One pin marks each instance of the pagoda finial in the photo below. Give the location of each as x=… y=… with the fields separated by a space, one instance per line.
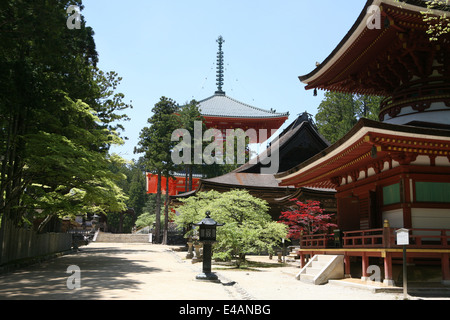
x=220 y=66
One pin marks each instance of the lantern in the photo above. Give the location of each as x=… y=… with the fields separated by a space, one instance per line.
x=207 y=235
x=207 y=229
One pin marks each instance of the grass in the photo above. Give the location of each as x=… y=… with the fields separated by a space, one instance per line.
x=247 y=265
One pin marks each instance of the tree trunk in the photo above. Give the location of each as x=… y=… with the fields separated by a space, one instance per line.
x=158 y=210
x=186 y=180
x=166 y=213
x=121 y=222
x=190 y=178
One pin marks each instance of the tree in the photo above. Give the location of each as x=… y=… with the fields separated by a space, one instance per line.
x=189 y=114
x=145 y=220
x=308 y=218
x=248 y=227
x=56 y=125
x=339 y=112
x=438 y=22
x=155 y=142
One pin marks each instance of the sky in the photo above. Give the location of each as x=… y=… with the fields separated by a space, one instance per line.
x=168 y=48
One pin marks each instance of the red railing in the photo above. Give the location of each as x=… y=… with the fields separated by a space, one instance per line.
x=380 y=238
x=372 y=238
x=417 y=94
x=429 y=238
x=321 y=241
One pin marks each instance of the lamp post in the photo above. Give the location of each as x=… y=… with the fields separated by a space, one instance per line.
x=207 y=235
x=403 y=240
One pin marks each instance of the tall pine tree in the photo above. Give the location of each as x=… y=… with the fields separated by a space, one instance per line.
x=156 y=144
x=339 y=112
x=58 y=115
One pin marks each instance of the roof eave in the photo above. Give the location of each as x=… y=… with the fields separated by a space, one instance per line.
x=357 y=132
x=358 y=27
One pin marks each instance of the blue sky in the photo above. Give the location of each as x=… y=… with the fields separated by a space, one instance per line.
x=168 y=48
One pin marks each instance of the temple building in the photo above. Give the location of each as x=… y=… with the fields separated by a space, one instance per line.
x=223 y=112
x=297 y=143
x=394 y=173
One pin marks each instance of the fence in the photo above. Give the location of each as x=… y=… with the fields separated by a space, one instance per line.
x=17 y=244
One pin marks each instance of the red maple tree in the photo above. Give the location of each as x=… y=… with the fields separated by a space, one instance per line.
x=306 y=219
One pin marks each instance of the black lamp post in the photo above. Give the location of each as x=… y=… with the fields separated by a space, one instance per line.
x=207 y=235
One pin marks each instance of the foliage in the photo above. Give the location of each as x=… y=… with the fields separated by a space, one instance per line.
x=156 y=144
x=248 y=227
x=339 y=112
x=188 y=115
x=134 y=186
x=306 y=219
x=438 y=23
x=58 y=116
x=145 y=220
x=116 y=225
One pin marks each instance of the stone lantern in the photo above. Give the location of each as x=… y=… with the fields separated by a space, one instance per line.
x=207 y=235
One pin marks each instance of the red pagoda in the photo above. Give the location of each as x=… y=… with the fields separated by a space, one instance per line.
x=394 y=173
x=222 y=112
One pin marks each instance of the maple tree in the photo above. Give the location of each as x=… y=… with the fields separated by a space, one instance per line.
x=306 y=219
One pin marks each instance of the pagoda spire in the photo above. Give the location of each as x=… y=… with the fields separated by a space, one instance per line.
x=220 y=67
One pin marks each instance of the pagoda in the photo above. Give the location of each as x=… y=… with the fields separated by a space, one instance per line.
x=297 y=142
x=223 y=112
x=394 y=173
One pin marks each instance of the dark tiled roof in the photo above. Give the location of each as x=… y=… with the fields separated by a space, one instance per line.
x=220 y=105
x=298 y=142
x=246 y=179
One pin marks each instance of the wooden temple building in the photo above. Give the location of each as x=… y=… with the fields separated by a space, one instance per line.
x=297 y=143
x=223 y=112
x=394 y=173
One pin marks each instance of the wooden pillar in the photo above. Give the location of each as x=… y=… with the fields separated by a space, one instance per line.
x=445 y=269
x=386 y=234
x=407 y=218
x=365 y=266
x=347 y=272
x=302 y=259
x=388 y=269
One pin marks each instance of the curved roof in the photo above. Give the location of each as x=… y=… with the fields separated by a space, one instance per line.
x=354 y=150
x=375 y=60
x=298 y=142
x=220 y=105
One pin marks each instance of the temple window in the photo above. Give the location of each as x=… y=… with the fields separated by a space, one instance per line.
x=391 y=194
x=433 y=192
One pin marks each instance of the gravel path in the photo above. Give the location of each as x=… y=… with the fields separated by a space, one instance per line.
x=153 y=272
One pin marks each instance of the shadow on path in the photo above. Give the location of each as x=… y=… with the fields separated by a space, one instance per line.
x=101 y=269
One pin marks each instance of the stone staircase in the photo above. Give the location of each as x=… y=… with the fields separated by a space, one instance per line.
x=322 y=268
x=122 y=238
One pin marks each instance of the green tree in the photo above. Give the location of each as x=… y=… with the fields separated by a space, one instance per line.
x=189 y=114
x=339 y=112
x=248 y=227
x=145 y=220
x=56 y=119
x=438 y=21
x=155 y=142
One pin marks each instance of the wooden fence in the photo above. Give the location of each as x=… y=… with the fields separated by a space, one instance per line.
x=17 y=244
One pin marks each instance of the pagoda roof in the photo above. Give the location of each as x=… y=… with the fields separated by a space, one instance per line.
x=375 y=61
x=239 y=179
x=355 y=151
x=221 y=106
